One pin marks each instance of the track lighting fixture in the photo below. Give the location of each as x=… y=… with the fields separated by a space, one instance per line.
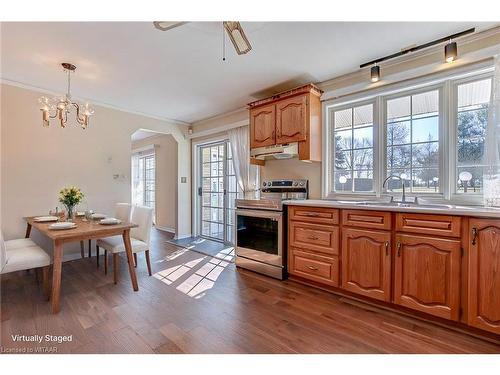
x=375 y=73
x=450 y=52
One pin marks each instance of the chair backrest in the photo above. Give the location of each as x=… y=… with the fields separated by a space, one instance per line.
x=3 y=253
x=143 y=217
x=123 y=211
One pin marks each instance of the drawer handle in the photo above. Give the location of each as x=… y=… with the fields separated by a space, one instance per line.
x=399 y=248
x=474 y=235
x=312 y=214
x=312 y=268
x=386 y=248
x=313 y=238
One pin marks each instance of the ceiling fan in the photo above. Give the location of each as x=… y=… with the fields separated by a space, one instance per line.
x=233 y=29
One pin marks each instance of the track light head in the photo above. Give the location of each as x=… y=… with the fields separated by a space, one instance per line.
x=450 y=52
x=375 y=73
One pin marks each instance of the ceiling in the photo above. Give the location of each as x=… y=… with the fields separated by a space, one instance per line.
x=180 y=75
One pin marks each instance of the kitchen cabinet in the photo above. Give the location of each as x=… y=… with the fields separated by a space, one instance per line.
x=439 y=225
x=262 y=126
x=484 y=275
x=427 y=275
x=314 y=267
x=367 y=219
x=288 y=117
x=291 y=124
x=366 y=263
x=314 y=237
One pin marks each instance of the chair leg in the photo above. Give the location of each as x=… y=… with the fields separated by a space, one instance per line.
x=105 y=262
x=45 y=277
x=148 y=262
x=135 y=260
x=97 y=254
x=90 y=248
x=82 y=249
x=115 y=267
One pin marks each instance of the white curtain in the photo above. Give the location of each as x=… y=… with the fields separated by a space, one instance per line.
x=491 y=177
x=246 y=174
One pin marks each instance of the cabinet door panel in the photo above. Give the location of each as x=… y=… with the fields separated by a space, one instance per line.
x=291 y=125
x=314 y=237
x=314 y=267
x=427 y=275
x=484 y=275
x=366 y=263
x=263 y=126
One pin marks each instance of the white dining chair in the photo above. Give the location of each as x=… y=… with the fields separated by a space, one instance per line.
x=122 y=212
x=139 y=239
x=24 y=254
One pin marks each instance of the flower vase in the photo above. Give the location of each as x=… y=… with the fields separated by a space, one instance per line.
x=70 y=213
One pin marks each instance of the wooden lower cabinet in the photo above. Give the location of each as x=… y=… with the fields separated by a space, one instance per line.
x=484 y=275
x=366 y=263
x=322 y=269
x=427 y=275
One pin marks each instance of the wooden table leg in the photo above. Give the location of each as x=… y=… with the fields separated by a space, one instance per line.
x=128 y=249
x=28 y=231
x=56 y=277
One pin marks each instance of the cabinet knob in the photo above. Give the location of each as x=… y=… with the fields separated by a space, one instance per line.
x=312 y=268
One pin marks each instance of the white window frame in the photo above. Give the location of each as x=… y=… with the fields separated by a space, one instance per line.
x=447 y=84
x=331 y=146
x=454 y=196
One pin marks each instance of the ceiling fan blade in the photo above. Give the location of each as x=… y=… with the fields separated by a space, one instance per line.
x=237 y=36
x=168 y=25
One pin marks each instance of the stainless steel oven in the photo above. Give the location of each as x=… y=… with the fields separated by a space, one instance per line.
x=260 y=227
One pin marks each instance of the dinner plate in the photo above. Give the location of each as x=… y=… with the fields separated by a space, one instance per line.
x=97 y=216
x=42 y=219
x=110 y=221
x=62 y=225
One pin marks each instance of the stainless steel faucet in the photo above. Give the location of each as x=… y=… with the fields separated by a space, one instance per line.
x=403 y=198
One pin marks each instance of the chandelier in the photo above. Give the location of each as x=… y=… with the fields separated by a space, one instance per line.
x=60 y=106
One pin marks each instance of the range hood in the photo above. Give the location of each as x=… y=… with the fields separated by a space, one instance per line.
x=286 y=151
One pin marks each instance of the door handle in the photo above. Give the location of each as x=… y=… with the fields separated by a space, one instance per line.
x=399 y=249
x=474 y=236
x=386 y=248
x=312 y=268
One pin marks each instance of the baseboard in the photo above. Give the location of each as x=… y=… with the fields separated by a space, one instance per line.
x=183 y=236
x=166 y=229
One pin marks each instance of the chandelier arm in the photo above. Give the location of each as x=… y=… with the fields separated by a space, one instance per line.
x=79 y=119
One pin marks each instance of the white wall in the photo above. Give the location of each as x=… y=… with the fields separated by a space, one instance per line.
x=166 y=178
x=36 y=161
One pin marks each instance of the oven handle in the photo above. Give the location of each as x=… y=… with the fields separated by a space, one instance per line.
x=260 y=213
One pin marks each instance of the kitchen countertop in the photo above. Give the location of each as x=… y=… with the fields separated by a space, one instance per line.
x=443 y=209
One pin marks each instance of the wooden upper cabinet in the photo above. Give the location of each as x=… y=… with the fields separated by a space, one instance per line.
x=484 y=274
x=262 y=126
x=427 y=275
x=366 y=263
x=291 y=123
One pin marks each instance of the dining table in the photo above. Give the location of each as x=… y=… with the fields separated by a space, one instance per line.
x=85 y=229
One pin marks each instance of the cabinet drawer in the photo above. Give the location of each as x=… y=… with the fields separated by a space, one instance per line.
x=317 y=215
x=314 y=237
x=429 y=224
x=367 y=219
x=313 y=267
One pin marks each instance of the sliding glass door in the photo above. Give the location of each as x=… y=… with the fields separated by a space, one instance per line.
x=217 y=191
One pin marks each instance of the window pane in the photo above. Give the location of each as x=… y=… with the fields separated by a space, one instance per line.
x=398 y=157
x=398 y=109
x=363 y=115
x=363 y=180
x=425 y=180
x=425 y=104
x=425 y=155
x=343 y=181
x=343 y=119
x=363 y=159
x=472 y=118
x=425 y=129
x=343 y=140
x=398 y=133
x=395 y=185
x=343 y=160
x=363 y=137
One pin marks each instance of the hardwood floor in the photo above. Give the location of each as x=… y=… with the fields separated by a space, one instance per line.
x=197 y=304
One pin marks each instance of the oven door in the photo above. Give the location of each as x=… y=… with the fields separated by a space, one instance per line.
x=259 y=236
